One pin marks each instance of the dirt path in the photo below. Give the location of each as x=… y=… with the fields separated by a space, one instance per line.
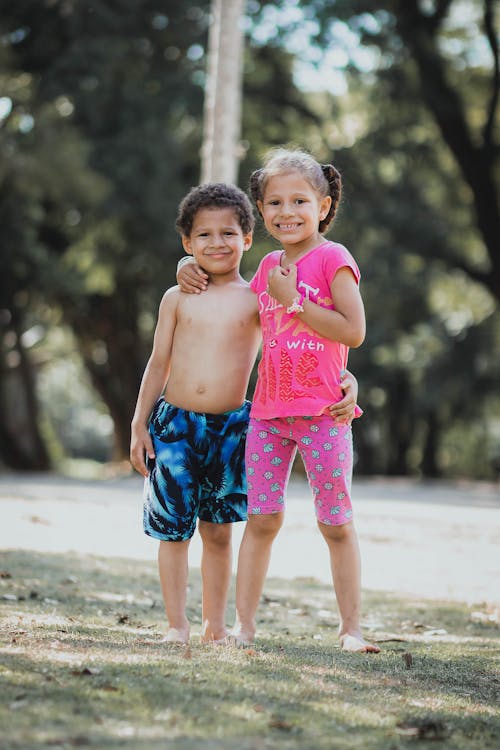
x=431 y=540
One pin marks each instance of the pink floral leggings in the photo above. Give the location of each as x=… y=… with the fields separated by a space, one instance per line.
x=326 y=450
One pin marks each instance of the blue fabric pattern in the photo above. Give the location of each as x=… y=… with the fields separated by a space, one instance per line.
x=198 y=472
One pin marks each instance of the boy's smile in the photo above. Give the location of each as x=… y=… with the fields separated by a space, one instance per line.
x=217 y=241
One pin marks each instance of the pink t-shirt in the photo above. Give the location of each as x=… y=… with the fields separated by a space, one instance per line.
x=299 y=373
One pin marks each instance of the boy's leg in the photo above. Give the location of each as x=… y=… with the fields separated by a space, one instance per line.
x=173 y=568
x=170 y=507
x=216 y=576
x=345 y=564
x=253 y=562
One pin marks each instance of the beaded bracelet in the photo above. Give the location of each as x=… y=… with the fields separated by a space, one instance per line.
x=297 y=305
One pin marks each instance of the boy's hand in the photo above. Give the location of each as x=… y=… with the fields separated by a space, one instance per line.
x=140 y=446
x=191 y=278
x=343 y=411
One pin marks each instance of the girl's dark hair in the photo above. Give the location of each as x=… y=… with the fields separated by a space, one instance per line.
x=325 y=179
x=214 y=195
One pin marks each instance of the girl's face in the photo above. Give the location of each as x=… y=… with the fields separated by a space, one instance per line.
x=292 y=210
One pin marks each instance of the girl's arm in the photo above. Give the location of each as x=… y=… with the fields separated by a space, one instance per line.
x=190 y=276
x=153 y=382
x=345 y=324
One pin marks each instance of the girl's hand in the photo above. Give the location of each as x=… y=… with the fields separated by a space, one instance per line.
x=343 y=411
x=191 y=278
x=282 y=284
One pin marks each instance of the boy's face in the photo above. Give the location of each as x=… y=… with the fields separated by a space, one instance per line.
x=217 y=241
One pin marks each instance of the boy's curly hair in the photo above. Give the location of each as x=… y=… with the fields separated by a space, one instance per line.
x=214 y=195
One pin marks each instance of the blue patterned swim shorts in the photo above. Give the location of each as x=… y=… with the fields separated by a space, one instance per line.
x=198 y=472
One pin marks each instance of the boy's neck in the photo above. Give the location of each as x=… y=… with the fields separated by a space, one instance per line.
x=220 y=279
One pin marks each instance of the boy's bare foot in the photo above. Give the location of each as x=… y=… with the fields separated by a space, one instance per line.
x=176 y=636
x=354 y=642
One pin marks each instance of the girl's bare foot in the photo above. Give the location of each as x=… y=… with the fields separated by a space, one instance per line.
x=354 y=642
x=176 y=636
x=241 y=638
x=217 y=636
x=216 y=641
x=213 y=640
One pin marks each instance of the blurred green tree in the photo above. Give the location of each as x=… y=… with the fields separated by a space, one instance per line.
x=100 y=131
x=410 y=213
x=120 y=85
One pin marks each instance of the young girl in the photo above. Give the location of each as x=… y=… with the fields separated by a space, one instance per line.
x=311 y=312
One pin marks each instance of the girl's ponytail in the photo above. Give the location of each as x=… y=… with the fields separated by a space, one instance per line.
x=334 y=181
x=255 y=185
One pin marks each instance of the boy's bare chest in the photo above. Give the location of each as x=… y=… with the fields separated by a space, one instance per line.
x=215 y=315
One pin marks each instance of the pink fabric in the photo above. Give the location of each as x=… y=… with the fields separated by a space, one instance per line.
x=299 y=373
x=326 y=450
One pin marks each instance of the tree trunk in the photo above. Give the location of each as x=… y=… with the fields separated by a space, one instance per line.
x=222 y=113
x=429 y=463
x=108 y=339
x=476 y=154
x=400 y=425
x=21 y=444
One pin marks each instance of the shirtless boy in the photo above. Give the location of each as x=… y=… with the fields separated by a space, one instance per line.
x=191 y=417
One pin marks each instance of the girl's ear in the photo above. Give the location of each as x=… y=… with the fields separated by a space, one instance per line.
x=186 y=244
x=324 y=207
x=260 y=206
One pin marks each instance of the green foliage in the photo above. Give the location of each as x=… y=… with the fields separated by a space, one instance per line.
x=102 y=139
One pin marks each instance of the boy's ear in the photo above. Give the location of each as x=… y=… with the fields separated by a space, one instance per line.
x=247 y=241
x=186 y=244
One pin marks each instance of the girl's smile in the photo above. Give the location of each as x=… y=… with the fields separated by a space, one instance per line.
x=291 y=210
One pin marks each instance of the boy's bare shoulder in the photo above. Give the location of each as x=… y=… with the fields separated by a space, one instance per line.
x=170 y=299
x=171 y=294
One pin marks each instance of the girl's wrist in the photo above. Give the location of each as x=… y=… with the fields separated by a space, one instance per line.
x=297 y=304
x=185 y=259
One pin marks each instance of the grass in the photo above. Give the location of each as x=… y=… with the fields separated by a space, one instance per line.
x=81 y=666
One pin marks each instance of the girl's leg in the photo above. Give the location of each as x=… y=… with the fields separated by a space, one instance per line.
x=253 y=562
x=216 y=577
x=345 y=564
x=326 y=449
x=173 y=568
x=269 y=456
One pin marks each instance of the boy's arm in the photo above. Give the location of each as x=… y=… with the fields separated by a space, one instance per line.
x=190 y=276
x=344 y=411
x=345 y=324
x=153 y=382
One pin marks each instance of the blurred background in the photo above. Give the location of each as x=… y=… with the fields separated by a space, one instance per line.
x=101 y=134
